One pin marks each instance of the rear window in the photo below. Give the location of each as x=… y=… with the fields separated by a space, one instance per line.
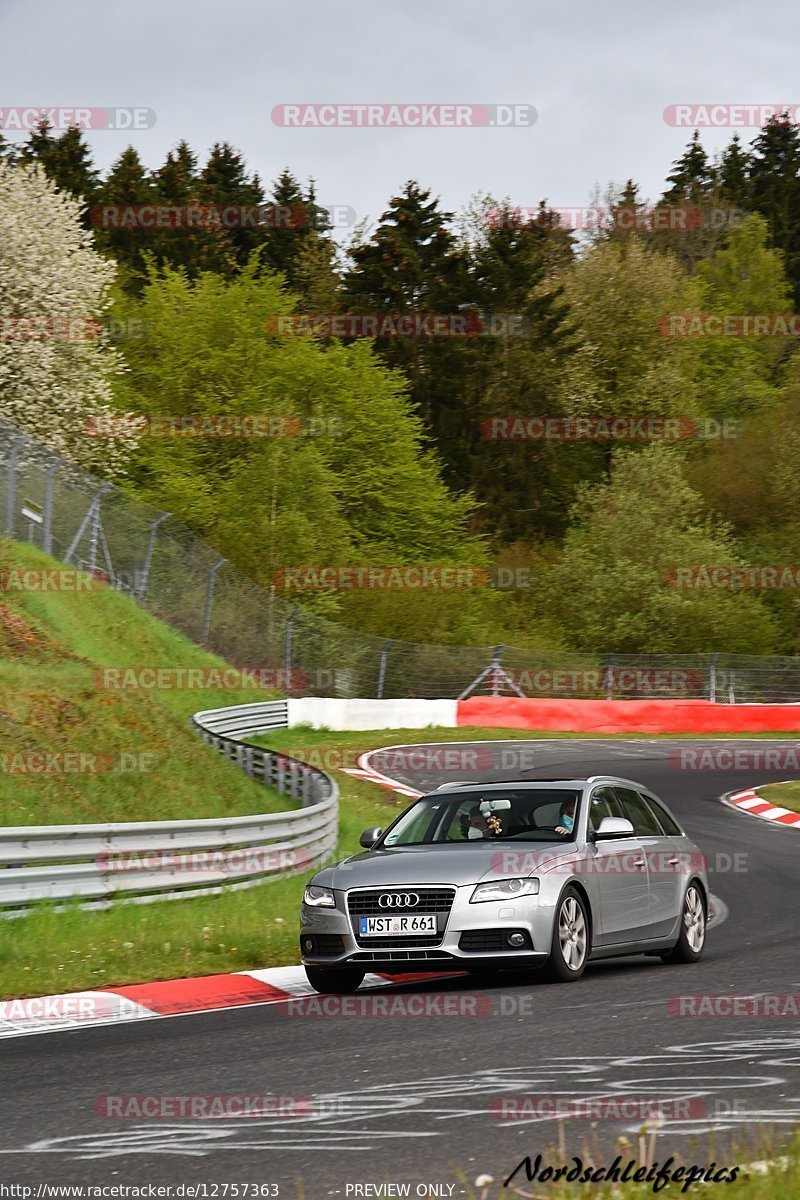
x=637 y=812
x=667 y=823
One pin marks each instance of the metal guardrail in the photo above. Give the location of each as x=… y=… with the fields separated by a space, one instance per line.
x=144 y=861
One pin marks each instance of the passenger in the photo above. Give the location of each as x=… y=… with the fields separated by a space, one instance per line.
x=481 y=823
x=475 y=825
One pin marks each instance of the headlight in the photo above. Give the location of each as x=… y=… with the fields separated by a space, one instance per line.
x=504 y=889
x=319 y=897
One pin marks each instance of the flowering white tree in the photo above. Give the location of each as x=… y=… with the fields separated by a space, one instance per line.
x=56 y=363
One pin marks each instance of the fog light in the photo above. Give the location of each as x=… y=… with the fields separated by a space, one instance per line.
x=309 y=945
x=516 y=940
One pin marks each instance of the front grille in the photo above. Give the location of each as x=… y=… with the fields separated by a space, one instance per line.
x=365 y=903
x=429 y=939
x=431 y=900
x=491 y=941
x=401 y=956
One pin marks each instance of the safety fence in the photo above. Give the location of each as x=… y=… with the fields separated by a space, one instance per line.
x=158 y=561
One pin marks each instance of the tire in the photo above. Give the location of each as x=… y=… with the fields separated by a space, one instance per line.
x=571 y=939
x=694 y=919
x=333 y=982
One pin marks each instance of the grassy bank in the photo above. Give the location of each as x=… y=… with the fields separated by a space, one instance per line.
x=73 y=750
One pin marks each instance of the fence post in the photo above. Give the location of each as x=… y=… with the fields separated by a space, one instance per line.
x=498 y=650
x=95 y=526
x=47 y=529
x=712 y=679
x=141 y=591
x=287 y=646
x=93 y=516
x=608 y=681
x=13 y=456
x=382 y=668
x=212 y=575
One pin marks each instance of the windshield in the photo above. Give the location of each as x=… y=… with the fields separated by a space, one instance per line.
x=531 y=815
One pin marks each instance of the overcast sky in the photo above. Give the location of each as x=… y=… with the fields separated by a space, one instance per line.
x=599 y=75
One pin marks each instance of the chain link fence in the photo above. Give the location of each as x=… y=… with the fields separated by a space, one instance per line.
x=157 y=560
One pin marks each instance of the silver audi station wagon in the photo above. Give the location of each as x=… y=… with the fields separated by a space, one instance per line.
x=542 y=875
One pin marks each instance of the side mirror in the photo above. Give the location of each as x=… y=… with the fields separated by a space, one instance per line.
x=369 y=837
x=614 y=827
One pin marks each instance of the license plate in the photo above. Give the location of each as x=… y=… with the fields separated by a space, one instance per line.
x=396 y=926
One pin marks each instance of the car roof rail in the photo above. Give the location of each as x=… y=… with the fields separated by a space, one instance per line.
x=457 y=783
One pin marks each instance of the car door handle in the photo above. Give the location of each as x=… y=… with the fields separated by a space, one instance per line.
x=640 y=864
x=673 y=862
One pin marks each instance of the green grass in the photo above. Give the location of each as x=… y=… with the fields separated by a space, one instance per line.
x=785 y=795
x=50 y=951
x=51 y=645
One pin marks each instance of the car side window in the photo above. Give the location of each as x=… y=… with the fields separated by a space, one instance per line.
x=667 y=824
x=637 y=812
x=603 y=804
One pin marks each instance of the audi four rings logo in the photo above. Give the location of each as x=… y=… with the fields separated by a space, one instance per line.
x=398 y=900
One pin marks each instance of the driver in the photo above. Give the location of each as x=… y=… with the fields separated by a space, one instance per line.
x=566 y=820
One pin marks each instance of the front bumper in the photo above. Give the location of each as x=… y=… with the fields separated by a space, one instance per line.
x=469 y=935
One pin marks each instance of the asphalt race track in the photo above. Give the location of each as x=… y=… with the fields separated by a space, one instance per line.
x=413 y=1099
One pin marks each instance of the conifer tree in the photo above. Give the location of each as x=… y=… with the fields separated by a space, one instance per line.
x=775 y=188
